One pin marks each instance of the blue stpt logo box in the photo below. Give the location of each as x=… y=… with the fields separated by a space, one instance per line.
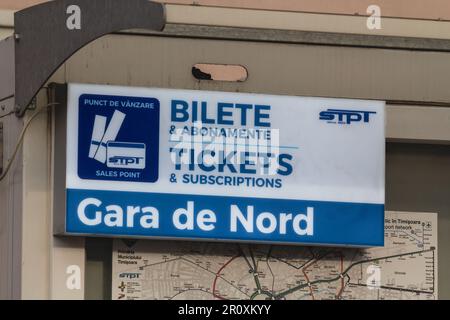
x=118 y=138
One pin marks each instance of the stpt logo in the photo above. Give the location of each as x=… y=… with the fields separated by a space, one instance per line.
x=345 y=116
x=118 y=138
x=130 y=275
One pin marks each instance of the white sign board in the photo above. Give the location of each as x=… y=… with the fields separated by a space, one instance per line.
x=186 y=164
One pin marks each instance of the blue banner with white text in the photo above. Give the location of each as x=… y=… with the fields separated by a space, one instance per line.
x=94 y=212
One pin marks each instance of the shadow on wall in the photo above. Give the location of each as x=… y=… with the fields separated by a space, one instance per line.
x=418 y=180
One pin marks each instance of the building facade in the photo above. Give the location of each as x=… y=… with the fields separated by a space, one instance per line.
x=308 y=48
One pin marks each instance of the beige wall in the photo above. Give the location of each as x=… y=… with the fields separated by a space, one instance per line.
x=285 y=20
x=420 y=9
x=10 y=210
x=18 y=4
x=240 y=14
x=423 y=9
x=4 y=33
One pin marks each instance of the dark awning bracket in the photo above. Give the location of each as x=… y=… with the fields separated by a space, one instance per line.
x=48 y=34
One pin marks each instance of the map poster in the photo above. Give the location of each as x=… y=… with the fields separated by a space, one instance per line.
x=405 y=268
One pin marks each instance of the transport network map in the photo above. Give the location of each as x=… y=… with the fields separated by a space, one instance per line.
x=405 y=268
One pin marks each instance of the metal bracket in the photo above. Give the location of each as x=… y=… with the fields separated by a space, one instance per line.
x=48 y=34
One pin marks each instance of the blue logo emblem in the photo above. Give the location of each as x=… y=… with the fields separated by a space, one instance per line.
x=118 y=138
x=345 y=116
